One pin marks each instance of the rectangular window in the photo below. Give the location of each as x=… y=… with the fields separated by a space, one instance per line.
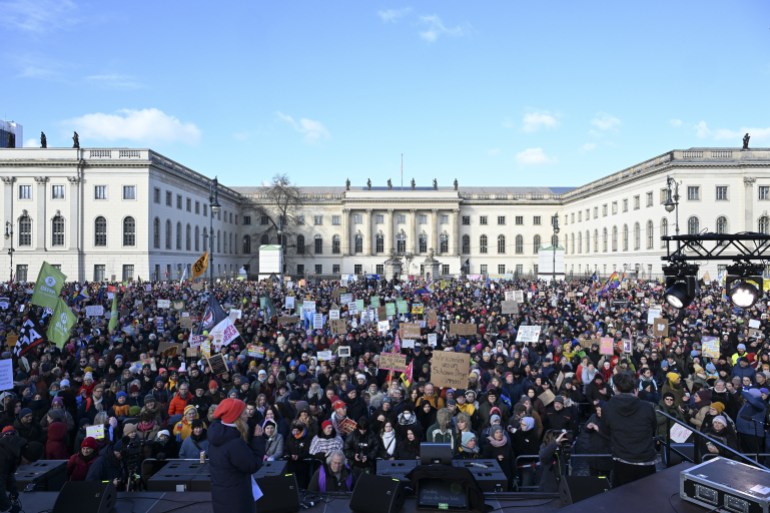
x=358 y=269
x=604 y=210
x=179 y=201
x=519 y=269
x=197 y=207
x=318 y=242
x=444 y=269
x=721 y=193
x=357 y=218
x=264 y=220
x=319 y=269
x=99 y=272
x=379 y=219
x=379 y=269
x=500 y=268
x=21 y=272
x=100 y=192
x=318 y=220
x=300 y=269
x=537 y=220
x=693 y=193
x=57 y=192
x=580 y=215
x=596 y=212
x=25 y=192
x=625 y=205
x=422 y=219
x=129 y=192
x=483 y=268
x=156 y=195
x=482 y=220
x=764 y=192
x=649 y=199
x=637 y=202
x=466 y=220
x=247 y=220
x=572 y=217
x=335 y=268
x=400 y=219
x=336 y=220
x=128 y=272
x=300 y=220
x=189 y=205
x=443 y=219
x=205 y=210
x=501 y=220
x=169 y=198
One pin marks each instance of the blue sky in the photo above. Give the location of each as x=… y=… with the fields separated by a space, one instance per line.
x=493 y=93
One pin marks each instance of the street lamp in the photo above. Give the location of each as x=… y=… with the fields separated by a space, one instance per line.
x=672 y=200
x=554 y=242
x=214 y=208
x=9 y=236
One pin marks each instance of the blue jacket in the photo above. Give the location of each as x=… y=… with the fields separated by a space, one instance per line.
x=232 y=462
x=751 y=416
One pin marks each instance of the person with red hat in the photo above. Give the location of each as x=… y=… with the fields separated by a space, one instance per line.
x=231 y=460
x=79 y=463
x=325 y=442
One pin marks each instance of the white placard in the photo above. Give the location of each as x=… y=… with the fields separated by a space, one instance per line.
x=679 y=433
x=754 y=323
x=528 y=334
x=383 y=327
x=308 y=306
x=324 y=356
x=432 y=339
x=288 y=303
x=346 y=298
x=654 y=313
x=235 y=314
x=407 y=343
x=6 y=374
x=334 y=315
x=95 y=431
x=94 y=311
x=318 y=321
x=164 y=303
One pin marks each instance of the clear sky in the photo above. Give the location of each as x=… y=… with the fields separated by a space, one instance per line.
x=529 y=93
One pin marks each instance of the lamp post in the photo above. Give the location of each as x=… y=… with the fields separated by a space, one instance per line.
x=9 y=236
x=214 y=208
x=554 y=242
x=672 y=201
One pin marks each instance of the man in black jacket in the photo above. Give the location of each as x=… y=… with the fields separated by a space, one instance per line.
x=14 y=451
x=361 y=448
x=630 y=423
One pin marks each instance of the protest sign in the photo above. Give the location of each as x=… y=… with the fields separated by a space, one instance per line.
x=509 y=307
x=343 y=351
x=462 y=329
x=393 y=361
x=660 y=327
x=383 y=326
x=710 y=347
x=431 y=318
x=96 y=431
x=164 y=303
x=605 y=346
x=287 y=320
x=217 y=364
x=324 y=356
x=410 y=330
x=94 y=311
x=390 y=309
x=450 y=369
x=528 y=333
x=401 y=306
x=338 y=327
x=318 y=321
x=432 y=339
x=288 y=303
x=6 y=374
x=168 y=348
x=653 y=313
x=334 y=314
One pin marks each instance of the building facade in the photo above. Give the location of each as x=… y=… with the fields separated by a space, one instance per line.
x=104 y=213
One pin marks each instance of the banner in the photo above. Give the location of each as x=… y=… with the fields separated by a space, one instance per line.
x=227 y=330
x=200 y=265
x=61 y=323
x=113 y=315
x=49 y=283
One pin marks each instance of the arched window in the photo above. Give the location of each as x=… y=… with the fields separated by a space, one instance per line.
x=358 y=243
x=625 y=237
x=336 y=244
x=168 y=234
x=663 y=231
x=596 y=240
x=518 y=244
x=217 y=239
x=422 y=243
x=379 y=243
x=129 y=231
x=206 y=240
x=401 y=242
x=100 y=231
x=604 y=240
x=501 y=244
x=57 y=230
x=650 y=234
x=443 y=243
x=466 y=245
x=763 y=226
x=300 y=244
x=536 y=243
x=25 y=230
x=178 y=236
x=188 y=238
x=693 y=226
x=637 y=237
x=571 y=243
x=318 y=242
x=265 y=239
x=580 y=244
x=246 y=245
x=721 y=224
x=197 y=238
x=483 y=244
x=588 y=241
x=614 y=238
x=555 y=240
x=156 y=233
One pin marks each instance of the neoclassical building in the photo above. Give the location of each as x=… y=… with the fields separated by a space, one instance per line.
x=100 y=213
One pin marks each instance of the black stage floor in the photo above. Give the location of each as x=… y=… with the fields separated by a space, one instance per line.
x=658 y=493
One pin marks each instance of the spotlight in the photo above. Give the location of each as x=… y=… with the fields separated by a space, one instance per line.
x=681 y=284
x=744 y=284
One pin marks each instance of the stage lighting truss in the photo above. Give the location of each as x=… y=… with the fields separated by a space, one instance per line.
x=744 y=283
x=681 y=284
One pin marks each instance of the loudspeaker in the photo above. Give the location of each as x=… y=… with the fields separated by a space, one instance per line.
x=281 y=494
x=377 y=494
x=85 y=497
x=576 y=488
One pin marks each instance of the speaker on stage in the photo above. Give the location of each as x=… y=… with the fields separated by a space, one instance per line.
x=576 y=488
x=281 y=494
x=85 y=497
x=377 y=494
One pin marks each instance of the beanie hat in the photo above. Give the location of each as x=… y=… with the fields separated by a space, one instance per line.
x=753 y=392
x=494 y=418
x=467 y=437
x=58 y=400
x=672 y=377
x=24 y=412
x=121 y=394
x=8 y=429
x=529 y=422
x=149 y=398
x=197 y=423
x=89 y=442
x=559 y=399
x=718 y=406
x=213 y=383
x=189 y=408
x=741 y=346
x=338 y=404
x=325 y=423
x=720 y=418
x=229 y=410
x=65 y=383
x=129 y=428
x=302 y=369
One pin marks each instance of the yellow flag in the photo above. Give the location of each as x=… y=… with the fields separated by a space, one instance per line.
x=200 y=265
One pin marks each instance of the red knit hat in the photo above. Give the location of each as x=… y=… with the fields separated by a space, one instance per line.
x=338 y=404
x=90 y=442
x=325 y=423
x=229 y=410
x=213 y=383
x=8 y=429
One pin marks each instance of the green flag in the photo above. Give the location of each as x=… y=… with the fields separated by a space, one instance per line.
x=114 y=313
x=61 y=323
x=50 y=280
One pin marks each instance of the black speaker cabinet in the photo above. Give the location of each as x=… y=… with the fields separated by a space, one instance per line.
x=85 y=497
x=576 y=488
x=377 y=494
x=281 y=494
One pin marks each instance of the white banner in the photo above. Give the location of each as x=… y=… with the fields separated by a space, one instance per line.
x=94 y=311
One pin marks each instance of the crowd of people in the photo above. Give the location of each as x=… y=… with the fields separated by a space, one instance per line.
x=108 y=400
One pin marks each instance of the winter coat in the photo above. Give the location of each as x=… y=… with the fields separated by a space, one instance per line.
x=630 y=423
x=191 y=448
x=232 y=462
x=56 y=445
x=591 y=441
x=10 y=457
x=107 y=468
x=751 y=416
x=77 y=466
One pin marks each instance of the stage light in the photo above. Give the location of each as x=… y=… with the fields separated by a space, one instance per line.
x=744 y=284
x=681 y=284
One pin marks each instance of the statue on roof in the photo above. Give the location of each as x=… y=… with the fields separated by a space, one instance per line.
x=435 y=184
x=456 y=184
x=746 y=141
x=414 y=184
x=75 y=140
x=390 y=184
x=43 y=140
x=369 y=183
x=347 y=184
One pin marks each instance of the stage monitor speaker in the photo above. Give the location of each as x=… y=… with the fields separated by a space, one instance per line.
x=281 y=494
x=85 y=497
x=576 y=488
x=377 y=494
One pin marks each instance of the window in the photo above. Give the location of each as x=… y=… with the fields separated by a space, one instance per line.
x=188 y=238
x=247 y=220
x=721 y=193
x=189 y=205
x=650 y=235
x=336 y=245
x=401 y=243
x=246 y=245
x=501 y=244
x=763 y=225
x=501 y=220
x=637 y=237
x=336 y=220
x=205 y=210
x=100 y=231
x=693 y=226
x=596 y=212
x=764 y=192
x=482 y=220
x=336 y=269
x=197 y=238
x=179 y=201
x=318 y=220
x=128 y=272
x=604 y=240
x=519 y=245
x=422 y=243
x=129 y=193
x=466 y=220
x=400 y=219
x=358 y=269
x=264 y=220
x=580 y=244
x=357 y=219
x=614 y=207
x=156 y=195
x=604 y=210
x=721 y=224
x=422 y=219
x=169 y=234
x=444 y=269
x=100 y=192
x=25 y=192
x=179 y=238
x=319 y=269
x=25 y=230
x=300 y=269
x=588 y=241
x=57 y=231
x=625 y=205
x=318 y=242
x=663 y=231
x=637 y=202
x=580 y=216
x=625 y=237
x=358 y=243
x=649 y=199
x=443 y=243
x=300 y=244
x=300 y=220
x=693 y=192
x=596 y=240
x=379 y=219
x=99 y=271
x=156 y=233
x=519 y=220
x=536 y=220
x=21 y=272
x=500 y=268
x=443 y=219
x=466 y=244
x=57 y=192
x=483 y=268
x=536 y=243
x=483 y=244
x=169 y=198
x=129 y=231
x=379 y=243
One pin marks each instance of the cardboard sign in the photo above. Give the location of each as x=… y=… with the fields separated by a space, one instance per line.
x=186 y=323
x=94 y=311
x=191 y=352
x=178 y=305
x=347 y=425
x=509 y=307
x=431 y=318
x=547 y=397
x=338 y=327
x=518 y=296
x=462 y=329
x=660 y=327
x=164 y=303
x=605 y=346
x=197 y=286
x=450 y=369
x=382 y=313
x=679 y=434
x=168 y=349
x=393 y=361
x=287 y=320
x=11 y=340
x=410 y=330
x=710 y=347
x=529 y=334
x=217 y=364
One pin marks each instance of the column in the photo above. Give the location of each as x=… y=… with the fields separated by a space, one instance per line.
x=748 y=221
x=434 y=229
x=345 y=232
x=389 y=232
x=411 y=246
x=367 y=231
x=42 y=222
x=8 y=203
x=74 y=222
x=455 y=233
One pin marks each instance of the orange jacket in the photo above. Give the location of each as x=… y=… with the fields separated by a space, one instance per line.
x=177 y=404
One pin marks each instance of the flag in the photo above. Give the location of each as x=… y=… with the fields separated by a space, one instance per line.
x=200 y=265
x=212 y=315
x=184 y=274
x=407 y=375
x=30 y=334
x=266 y=303
x=396 y=343
x=48 y=286
x=113 y=314
x=80 y=295
x=61 y=323
x=612 y=283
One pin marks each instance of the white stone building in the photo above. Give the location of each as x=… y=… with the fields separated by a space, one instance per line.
x=130 y=213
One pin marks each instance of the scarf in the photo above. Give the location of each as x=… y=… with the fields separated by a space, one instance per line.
x=495 y=442
x=302 y=433
x=389 y=442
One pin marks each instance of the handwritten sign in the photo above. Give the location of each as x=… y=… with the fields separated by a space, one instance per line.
x=338 y=327
x=96 y=432
x=410 y=330
x=710 y=347
x=6 y=374
x=217 y=364
x=390 y=309
x=324 y=356
x=450 y=369
x=343 y=351
x=164 y=303
x=528 y=333
x=94 y=311
x=509 y=307
x=432 y=339
x=168 y=348
x=660 y=327
x=393 y=361
x=605 y=345
x=462 y=329
x=287 y=320
x=653 y=313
